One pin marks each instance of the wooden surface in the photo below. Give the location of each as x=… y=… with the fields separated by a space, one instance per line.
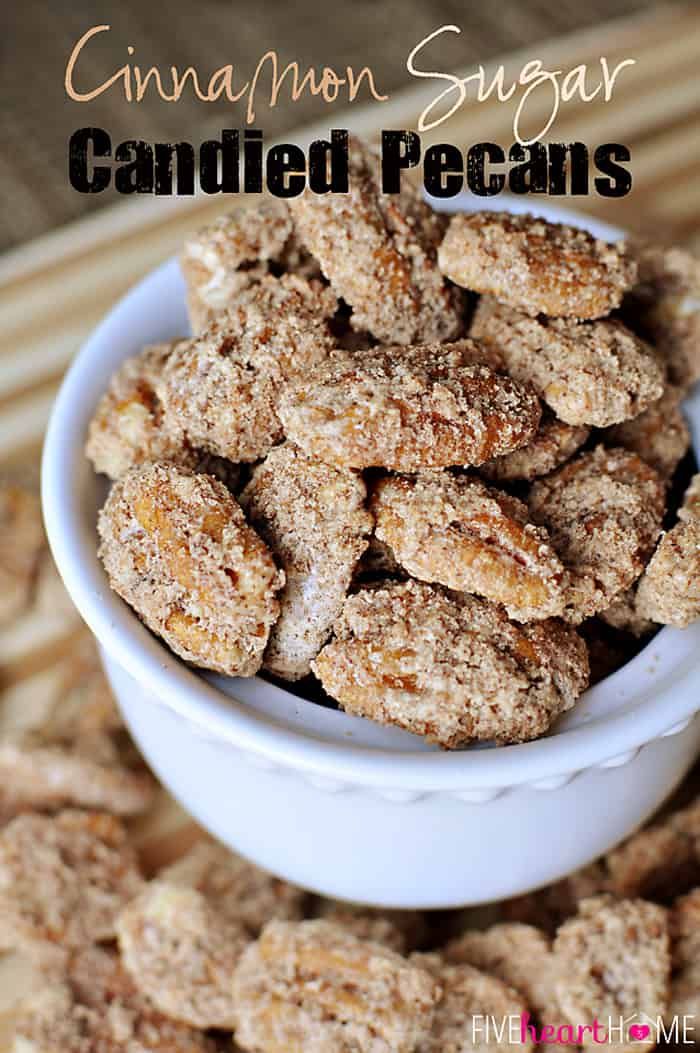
x=55 y=290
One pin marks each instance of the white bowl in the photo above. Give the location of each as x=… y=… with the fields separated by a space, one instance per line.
x=327 y=800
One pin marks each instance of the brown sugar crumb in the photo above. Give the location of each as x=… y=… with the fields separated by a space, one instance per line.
x=685 y=934
x=603 y=511
x=314 y=520
x=596 y=373
x=450 y=667
x=553 y=444
x=238 y=890
x=402 y=408
x=64 y=879
x=314 y=986
x=230 y=254
x=669 y=590
x=180 y=953
x=92 y=1005
x=471 y=1003
x=458 y=532
x=613 y=961
x=379 y=252
x=536 y=266
x=220 y=390
x=665 y=306
x=518 y=955
x=177 y=548
x=22 y=544
x=128 y=426
x=660 y=435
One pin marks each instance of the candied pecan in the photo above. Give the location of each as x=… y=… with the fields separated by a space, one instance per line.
x=177 y=548
x=588 y=372
x=551 y=446
x=379 y=252
x=450 y=667
x=428 y=406
x=313 y=517
x=534 y=265
x=455 y=530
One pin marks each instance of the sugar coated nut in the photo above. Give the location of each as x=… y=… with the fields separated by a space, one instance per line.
x=314 y=986
x=238 y=890
x=408 y=408
x=379 y=252
x=455 y=530
x=90 y=1004
x=613 y=959
x=64 y=879
x=603 y=511
x=469 y=997
x=221 y=389
x=596 y=373
x=450 y=667
x=551 y=446
x=664 y=305
x=177 y=548
x=230 y=254
x=669 y=589
x=660 y=435
x=313 y=517
x=180 y=953
x=128 y=426
x=536 y=266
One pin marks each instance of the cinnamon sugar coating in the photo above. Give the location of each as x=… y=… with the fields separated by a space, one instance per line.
x=603 y=511
x=664 y=305
x=450 y=667
x=623 y=614
x=596 y=373
x=181 y=953
x=669 y=589
x=177 y=548
x=536 y=266
x=520 y=956
x=613 y=961
x=455 y=530
x=400 y=930
x=22 y=544
x=238 y=890
x=221 y=389
x=64 y=879
x=551 y=446
x=236 y=251
x=379 y=252
x=314 y=520
x=467 y=994
x=314 y=986
x=128 y=426
x=91 y=1006
x=660 y=435
x=428 y=406
x=685 y=933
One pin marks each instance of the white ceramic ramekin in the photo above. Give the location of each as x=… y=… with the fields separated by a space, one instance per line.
x=335 y=803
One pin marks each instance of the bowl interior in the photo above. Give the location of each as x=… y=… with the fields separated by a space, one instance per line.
x=155 y=311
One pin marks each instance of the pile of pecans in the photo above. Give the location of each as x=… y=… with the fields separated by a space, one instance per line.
x=434 y=465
